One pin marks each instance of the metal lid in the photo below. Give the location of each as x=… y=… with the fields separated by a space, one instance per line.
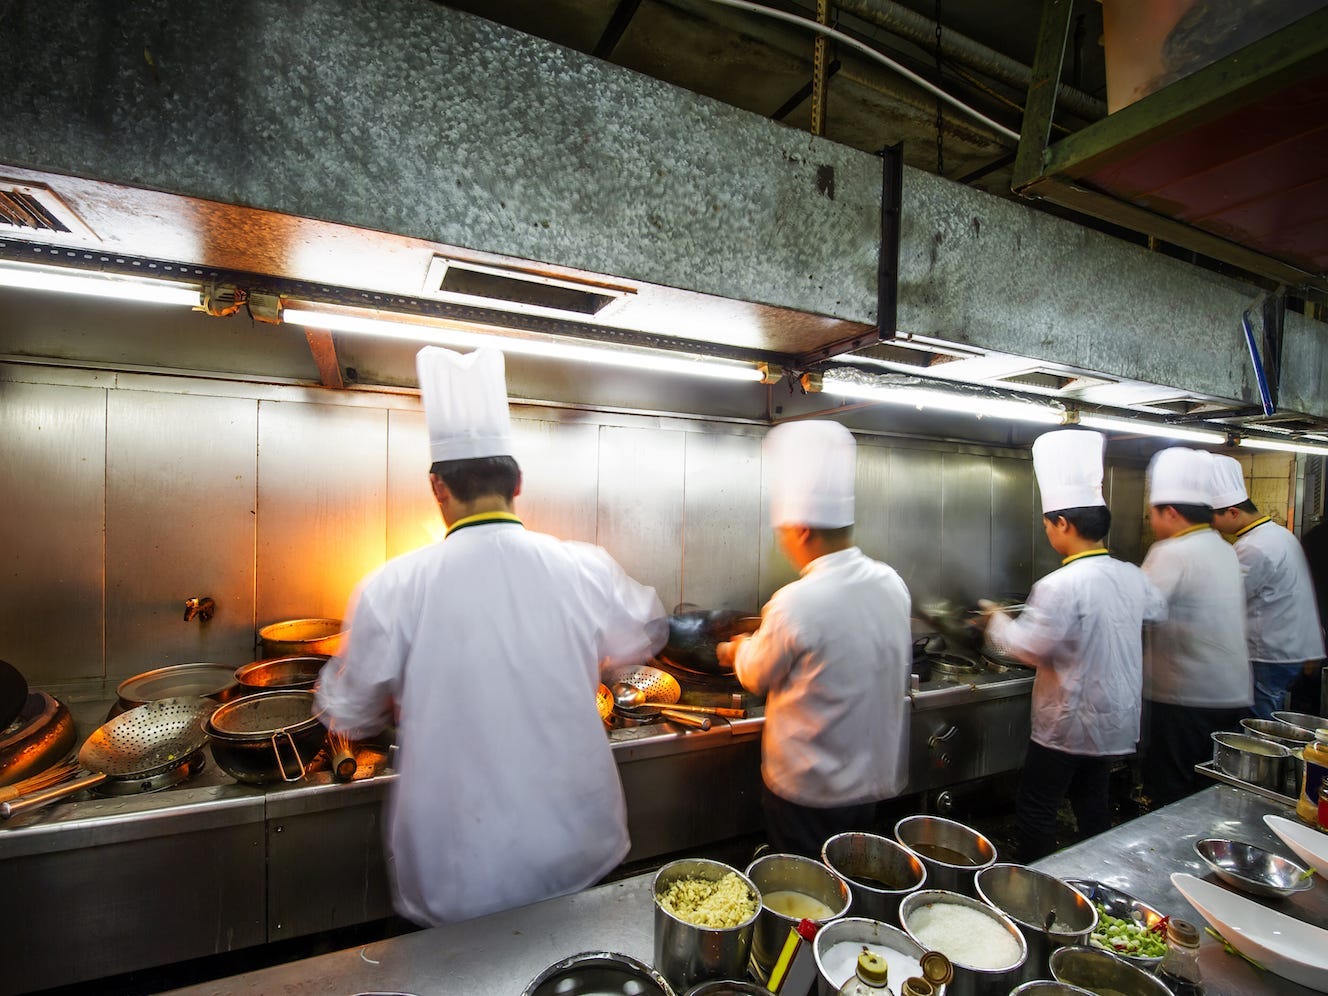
x=936 y=968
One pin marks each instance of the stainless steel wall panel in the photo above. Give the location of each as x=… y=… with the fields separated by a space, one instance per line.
x=775 y=570
x=322 y=479
x=915 y=520
x=180 y=503
x=1125 y=498
x=413 y=519
x=872 y=502
x=721 y=539
x=1014 y=532
x=560 y=476
x=641 y=503
x=52 y=490
x=966 y=526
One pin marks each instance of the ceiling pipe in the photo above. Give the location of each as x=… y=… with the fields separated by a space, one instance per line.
x=921 y=31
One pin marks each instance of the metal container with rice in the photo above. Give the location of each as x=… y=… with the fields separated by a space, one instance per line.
x=984 y=945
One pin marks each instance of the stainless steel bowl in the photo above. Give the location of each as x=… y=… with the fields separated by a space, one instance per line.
x=598 y=973
x=1278 y=732
x=1252 y=869
x=1049 y=913
x=1096 y=970
x=880 y=872
x=728 y=987
x=1303 y=721
x=1049 y=987
x=953 y=853
x=1251 y=759
x=968 y=981
x=1123 y=906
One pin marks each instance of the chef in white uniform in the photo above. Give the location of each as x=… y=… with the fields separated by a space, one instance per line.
x=832 y=654
x=1197 y=677
x=1282 y=632
x=487 y=645
x=1083 y=630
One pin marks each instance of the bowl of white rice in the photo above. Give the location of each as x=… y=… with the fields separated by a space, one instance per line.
x=839 y=943
x=705 y=915
x=984 y=945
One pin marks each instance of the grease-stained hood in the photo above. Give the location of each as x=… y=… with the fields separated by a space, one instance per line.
x=409 y=157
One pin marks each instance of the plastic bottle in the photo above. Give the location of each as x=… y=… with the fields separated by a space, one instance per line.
x=1316 y=771
x=1180 y=965
x=870 y=977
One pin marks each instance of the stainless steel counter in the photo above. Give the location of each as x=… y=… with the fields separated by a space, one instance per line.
x=503 y=952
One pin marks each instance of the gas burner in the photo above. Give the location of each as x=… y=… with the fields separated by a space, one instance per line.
x=182 y=772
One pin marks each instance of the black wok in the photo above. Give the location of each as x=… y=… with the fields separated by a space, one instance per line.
x=695 y=633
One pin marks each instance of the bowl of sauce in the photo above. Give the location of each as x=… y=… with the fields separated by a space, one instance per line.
x=952 y=852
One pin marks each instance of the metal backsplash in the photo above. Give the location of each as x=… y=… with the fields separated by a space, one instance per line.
x=125 y=494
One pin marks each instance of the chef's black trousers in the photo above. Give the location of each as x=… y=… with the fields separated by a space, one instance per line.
x=794 y=829
x=1176 y=738
x=1048 y=777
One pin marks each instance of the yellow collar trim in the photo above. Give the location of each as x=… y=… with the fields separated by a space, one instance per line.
x=480 y=519
x=1193 y=529
x=1256 y=522
x=1099 y=552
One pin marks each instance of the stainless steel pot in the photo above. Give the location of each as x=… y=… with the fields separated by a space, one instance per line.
x=880 y=872
x=268 y=737
x=1251 y=759
x=795 y=873
x=853 y=929
x=686 y=953
x=968 y=981
x=952 y=852
x=1049 y=913
x=598 y=972
x=296 y=671
x=301 y=636
x=200 y=680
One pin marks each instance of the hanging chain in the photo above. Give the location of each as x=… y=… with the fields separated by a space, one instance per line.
x=940 y=116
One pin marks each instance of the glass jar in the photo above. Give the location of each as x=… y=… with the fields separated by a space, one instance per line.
x=1180 y=965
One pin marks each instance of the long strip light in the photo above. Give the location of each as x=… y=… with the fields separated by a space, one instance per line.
x=1284 y=446
x=964 y=404
x=445 y=335
x=147 y=291
x=1159 y=429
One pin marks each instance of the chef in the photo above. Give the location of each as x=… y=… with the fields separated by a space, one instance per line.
x=832 y=654
x=487 y=644
x=1082 y=631
x=1282 y=633
x=1196 y=673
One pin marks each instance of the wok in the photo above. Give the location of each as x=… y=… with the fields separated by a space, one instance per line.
x=13 y=694
x=42 y=734
x=136 y=746
x=694 y=633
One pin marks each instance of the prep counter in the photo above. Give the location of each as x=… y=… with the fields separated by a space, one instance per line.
x=503 y=952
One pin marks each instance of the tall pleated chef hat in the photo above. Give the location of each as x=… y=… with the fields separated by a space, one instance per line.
x=465 y=403
x=812 y=467
x=1180 y=476
x=1228 y=482
x=1068 y=465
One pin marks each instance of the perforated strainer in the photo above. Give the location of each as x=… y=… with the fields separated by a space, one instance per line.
x=604 y=702
x=137 y=745
x=661 y=688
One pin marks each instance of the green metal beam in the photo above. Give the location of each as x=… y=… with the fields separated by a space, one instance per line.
x=1045 y=78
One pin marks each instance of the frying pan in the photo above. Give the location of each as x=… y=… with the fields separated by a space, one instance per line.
x=140 y=744
x=13 y=694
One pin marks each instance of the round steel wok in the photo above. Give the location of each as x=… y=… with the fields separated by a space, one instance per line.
x=695 y=633
x=136 y=746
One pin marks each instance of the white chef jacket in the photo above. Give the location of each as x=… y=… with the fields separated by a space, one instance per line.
x=1083 y=631
x=832 y=656
x=489 y=643
x=1197 y=656
x=1281 y=617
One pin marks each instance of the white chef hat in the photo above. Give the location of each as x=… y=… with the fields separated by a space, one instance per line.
x=1180 y=476
x=1228 y=486
x=812 y=466
x=1068 y=465
x=465 y=403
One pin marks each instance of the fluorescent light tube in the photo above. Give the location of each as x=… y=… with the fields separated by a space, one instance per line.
x=964 y=404
x=99 y=285
x=1315 y=449
x=1159 y=429
x=658 y=362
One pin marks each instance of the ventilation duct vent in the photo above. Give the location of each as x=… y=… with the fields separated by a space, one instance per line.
x=1314 y=488
x=512 y=289
x=34 y=207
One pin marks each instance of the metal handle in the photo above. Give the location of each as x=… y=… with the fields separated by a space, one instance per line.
x=686 y=719
x=276 y=750
x=940 y=738
x=39 y=799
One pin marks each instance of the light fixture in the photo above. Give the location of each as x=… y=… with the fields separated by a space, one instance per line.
x=1284 y=446
x=963 y=404
x=1161 y=430
x=145 y=290
x=464 y=336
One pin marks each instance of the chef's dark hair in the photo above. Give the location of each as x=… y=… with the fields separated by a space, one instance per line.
x=1244 y=506
x=1092 y=522
x=481 y=476
x=1195 y=515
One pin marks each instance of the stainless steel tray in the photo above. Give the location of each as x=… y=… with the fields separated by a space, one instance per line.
x=1212 y=771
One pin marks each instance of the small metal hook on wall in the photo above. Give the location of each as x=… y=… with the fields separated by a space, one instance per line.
x=203 y=607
